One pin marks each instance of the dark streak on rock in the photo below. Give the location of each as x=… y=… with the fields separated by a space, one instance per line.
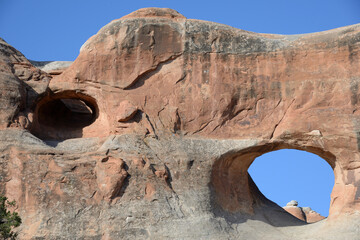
x=354 y=87
x=358 y=140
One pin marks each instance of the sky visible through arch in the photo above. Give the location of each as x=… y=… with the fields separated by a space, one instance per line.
x=55 y=31
x=290 y=174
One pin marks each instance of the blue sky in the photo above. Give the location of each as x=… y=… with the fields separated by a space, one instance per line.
x=290 y=174
x=55 y=30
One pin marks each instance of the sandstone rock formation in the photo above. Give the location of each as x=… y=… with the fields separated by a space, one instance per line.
x=206 y=100
x=311 y=215
x=52 y=67
x=305 y=214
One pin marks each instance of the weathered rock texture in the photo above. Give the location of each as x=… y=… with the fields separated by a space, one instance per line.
x=204 y=101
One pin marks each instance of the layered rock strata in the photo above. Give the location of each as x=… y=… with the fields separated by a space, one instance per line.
x=149 y=133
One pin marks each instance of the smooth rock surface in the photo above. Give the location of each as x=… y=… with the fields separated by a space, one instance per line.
x=296 y=212
x=210 y=99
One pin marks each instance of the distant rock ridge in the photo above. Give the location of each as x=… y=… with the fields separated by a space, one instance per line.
x=52 y=67
x=305 y=214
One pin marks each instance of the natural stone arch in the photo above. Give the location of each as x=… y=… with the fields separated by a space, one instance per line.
x=234 y=189
x=217 y=84
x=64 y=115
x=298 y=181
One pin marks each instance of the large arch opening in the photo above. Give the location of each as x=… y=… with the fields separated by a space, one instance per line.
x=64 y=115
x=236 y=196
x=289 y=174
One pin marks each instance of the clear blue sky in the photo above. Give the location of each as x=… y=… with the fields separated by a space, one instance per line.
x=55 y=30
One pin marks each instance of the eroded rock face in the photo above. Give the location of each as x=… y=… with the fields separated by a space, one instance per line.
x=110 y=176
x=126 y=111
x=203 y=100
x=21 y=83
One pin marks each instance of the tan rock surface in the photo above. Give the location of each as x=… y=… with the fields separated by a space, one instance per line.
x=296 y=212
x=110 y=176
x=311 y=215
x=210 y=99
x=126 y=111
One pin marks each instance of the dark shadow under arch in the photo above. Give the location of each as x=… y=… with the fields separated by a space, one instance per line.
x=63 y=115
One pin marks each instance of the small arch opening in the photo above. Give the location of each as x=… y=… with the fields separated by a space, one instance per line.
x=288 y=174
x=64 y=115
